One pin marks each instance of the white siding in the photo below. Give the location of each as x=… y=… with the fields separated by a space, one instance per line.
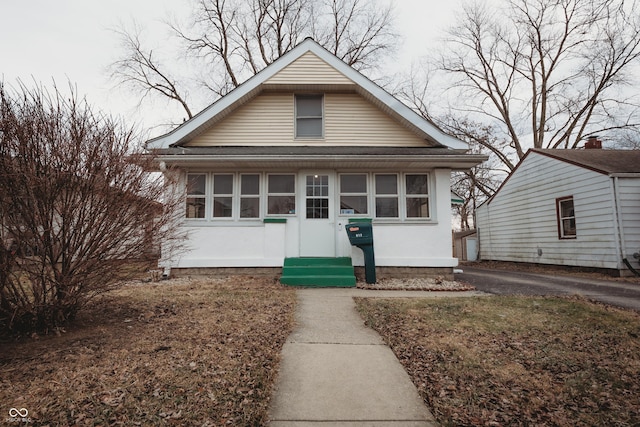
x=521 y=220
x=269 y=120
x=629 y=203
x=258 y=244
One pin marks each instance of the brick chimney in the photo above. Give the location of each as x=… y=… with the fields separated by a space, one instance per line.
x=593 y=143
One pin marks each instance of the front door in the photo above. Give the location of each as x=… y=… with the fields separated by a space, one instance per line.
x=317 y=219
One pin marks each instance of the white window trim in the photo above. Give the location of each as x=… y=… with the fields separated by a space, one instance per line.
x=267 y=194
x=205 y=196
x=406 y=196
x=295 y=116
x=397 y=196
x=213 y=196
x=562 y=235
x=264 y=195
x=238 y=201
x=367 y=194
x=236 y=196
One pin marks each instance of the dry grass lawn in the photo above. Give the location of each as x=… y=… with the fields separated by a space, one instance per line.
x=201 y=352
x=496 y=361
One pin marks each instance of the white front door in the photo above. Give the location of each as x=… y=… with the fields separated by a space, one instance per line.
x=317 y=217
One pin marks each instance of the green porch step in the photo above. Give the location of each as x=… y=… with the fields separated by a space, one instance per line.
x=318 y=272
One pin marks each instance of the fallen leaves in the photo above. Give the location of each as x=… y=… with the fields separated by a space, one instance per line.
x=181 y=352
x=516 y=360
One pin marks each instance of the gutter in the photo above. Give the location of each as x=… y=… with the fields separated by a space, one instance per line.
x=619 y=226
x=454 y=162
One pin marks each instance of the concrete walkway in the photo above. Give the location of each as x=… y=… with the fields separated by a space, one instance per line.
x=337 y=372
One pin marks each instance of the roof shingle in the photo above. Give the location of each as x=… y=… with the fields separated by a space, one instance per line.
x=603 y=161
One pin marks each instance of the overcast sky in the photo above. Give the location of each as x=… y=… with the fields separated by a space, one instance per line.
x=71 y=40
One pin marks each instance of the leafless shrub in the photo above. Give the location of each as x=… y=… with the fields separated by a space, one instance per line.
x=79 y=210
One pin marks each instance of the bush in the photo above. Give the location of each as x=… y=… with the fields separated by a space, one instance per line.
x=78 y=207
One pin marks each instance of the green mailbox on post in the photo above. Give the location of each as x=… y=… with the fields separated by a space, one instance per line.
x=361 y=235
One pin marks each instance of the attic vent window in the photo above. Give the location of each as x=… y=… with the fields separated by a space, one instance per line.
x=309 y=116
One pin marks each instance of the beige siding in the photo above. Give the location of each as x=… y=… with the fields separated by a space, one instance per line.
x=269 y=120
x=266 y=120
x=351 y=120
x=309 y=69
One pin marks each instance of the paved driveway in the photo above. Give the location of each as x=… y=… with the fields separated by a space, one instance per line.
x=504 y=282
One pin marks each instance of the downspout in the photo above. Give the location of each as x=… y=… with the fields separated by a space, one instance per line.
x=620 y=227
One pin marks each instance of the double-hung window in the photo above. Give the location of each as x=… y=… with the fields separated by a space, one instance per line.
x=386 y=195
x=407 y=201
x=250 y=196
x=196 y=195
x=309 y=116
x=566 y=218
x=223 y=195
x=417 y=195
x=281 y=194
x=353 y=194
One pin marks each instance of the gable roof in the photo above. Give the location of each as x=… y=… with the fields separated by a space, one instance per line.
x=608 y=162
x=256 y=84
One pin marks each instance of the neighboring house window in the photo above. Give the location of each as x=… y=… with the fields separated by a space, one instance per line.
x=417 y=196
x=566 y=218
x=353 y=194
x=196 y=195
x=250 y=196
x=386 y=196
x=309 y=116
x=281 y=194
x=223 y=196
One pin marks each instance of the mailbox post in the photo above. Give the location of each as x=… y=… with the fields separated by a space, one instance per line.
x=361 y=235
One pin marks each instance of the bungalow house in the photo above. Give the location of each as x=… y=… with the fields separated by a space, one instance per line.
x=277 y=168
x=567 y=207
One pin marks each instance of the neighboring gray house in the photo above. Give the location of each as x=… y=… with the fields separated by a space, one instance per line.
x=566 y=207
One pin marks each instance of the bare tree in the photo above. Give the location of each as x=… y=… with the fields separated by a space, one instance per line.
x=546 y=73
x=142 y=71
x=232 y=40
x=79 y=211
x=356 y=31
x=479 y=183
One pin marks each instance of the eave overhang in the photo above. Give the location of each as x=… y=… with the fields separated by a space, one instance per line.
x=244 y=93
x=284 y=158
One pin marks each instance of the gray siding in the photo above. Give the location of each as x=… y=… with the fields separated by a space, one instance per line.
x=629 y=203
x=521 y=220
